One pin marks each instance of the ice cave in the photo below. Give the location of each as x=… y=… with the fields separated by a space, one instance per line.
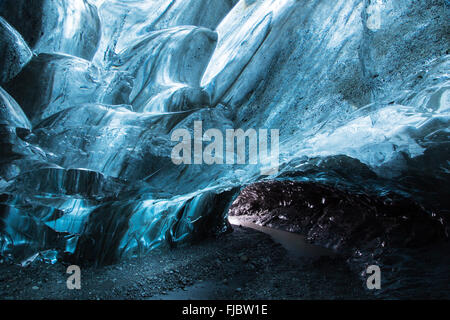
x=94 y=92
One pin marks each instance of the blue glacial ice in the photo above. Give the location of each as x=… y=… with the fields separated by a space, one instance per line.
x=91 y=92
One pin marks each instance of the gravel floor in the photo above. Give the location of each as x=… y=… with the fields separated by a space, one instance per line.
x=244 y=264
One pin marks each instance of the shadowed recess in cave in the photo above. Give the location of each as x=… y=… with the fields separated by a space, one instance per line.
x=91 y=92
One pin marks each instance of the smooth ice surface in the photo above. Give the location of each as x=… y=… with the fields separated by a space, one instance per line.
x=10 y=112
x=71 y=27
x=356 y=89
x=14 y=52
x=58 y=81
x=127 y=22
x=167 y=67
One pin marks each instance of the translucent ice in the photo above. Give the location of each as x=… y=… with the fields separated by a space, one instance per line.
x=71 y=27
x=11 y=113
x=167 y=66
x=359 y=92
x=57 y=81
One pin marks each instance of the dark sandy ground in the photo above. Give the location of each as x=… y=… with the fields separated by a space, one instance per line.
x=243 y=264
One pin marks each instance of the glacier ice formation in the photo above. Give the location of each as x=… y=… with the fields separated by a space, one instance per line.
x=91 y=91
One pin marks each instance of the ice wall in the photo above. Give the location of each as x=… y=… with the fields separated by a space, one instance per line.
x=92 y=91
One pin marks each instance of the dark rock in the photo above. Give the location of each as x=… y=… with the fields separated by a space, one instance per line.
x=338 y=219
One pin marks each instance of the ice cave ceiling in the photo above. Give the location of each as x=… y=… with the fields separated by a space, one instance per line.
x=91 y=92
